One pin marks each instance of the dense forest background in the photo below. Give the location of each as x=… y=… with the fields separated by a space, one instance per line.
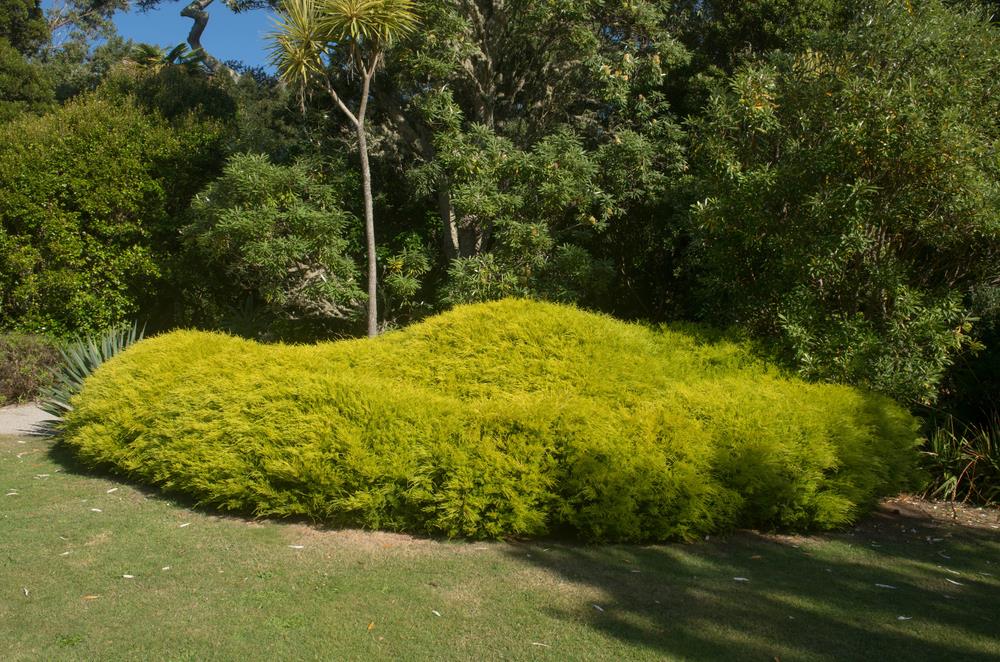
x=819 y=178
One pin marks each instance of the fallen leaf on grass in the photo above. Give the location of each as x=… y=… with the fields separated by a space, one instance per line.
x=371 y=626
x=436 y=613
x=166 y=567
x=25 y=592
x=64 y=554
x=90 y=597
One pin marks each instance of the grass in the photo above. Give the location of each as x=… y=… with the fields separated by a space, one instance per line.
x=206 y=586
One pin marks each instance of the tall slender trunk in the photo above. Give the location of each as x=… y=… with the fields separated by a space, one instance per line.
x=366 y=185
x=451 y=244
x=367 y=72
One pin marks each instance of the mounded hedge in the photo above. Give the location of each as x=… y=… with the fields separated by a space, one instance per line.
x=513 y=417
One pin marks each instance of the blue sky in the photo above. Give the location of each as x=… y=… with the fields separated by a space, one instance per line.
x=228 y=36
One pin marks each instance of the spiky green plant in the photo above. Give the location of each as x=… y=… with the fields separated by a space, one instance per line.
x=964 y=461
x=80 y=359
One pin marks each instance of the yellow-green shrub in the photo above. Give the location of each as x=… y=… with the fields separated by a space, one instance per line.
x=513 y=417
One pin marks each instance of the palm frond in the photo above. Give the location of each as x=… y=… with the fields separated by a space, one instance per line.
x=147 y=56
x=373 y=21
x=298 y=43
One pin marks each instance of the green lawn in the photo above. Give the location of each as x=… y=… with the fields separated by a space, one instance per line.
x=91 y=568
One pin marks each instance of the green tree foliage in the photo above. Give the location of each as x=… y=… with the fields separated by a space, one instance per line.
x=851 y=196
x=171 y=84
x=24 y=86
x=276 y=234
x=85 y=200
x=720 y=32
x=22 y=25
x=268 y=119
x=78 y=66
x=484 y=94
x=548 y=420
x=525 y=200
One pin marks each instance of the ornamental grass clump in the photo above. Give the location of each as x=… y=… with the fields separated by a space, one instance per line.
x=506 y=418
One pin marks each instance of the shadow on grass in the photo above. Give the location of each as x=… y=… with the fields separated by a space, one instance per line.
x=63 y=455
x=804 y=598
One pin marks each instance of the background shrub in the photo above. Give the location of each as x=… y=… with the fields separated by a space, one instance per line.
x=963 y=460
x=496 y=419
x=85 y=228
x=849 y=197
x=276 y=236
x=26 y=365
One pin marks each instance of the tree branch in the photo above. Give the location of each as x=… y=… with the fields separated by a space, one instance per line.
x=336 y=98
x=196 y=12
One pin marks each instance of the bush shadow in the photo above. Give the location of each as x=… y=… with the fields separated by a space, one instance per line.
x=865 y=594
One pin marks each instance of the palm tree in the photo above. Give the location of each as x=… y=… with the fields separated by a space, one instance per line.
x=315 y=39
x=155 y=59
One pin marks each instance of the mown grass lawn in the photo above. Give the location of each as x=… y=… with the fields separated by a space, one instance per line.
x=92 y=568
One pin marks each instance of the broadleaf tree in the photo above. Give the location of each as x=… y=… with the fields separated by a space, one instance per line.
x=487 y=87
x=850 y=197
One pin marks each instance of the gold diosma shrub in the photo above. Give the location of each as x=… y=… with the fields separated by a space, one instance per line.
x=506 y=418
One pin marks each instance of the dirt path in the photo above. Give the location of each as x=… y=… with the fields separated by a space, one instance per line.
x=21 y=419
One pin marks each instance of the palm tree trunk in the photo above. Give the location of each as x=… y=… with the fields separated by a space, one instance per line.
x=366 y=185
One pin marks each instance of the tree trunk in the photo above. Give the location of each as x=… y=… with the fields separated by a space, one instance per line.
x=196 y=12
x=452 y=249
x=366 y=184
